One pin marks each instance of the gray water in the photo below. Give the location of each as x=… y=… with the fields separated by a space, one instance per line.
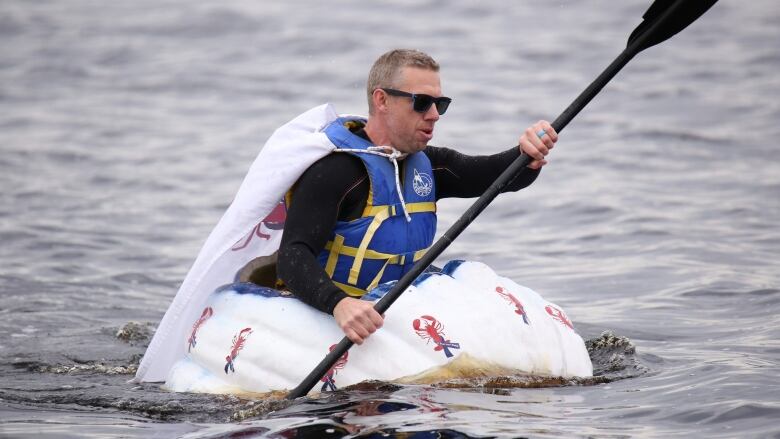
x=126 y=128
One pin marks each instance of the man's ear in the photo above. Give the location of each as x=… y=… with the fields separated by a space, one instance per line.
x=379 y=98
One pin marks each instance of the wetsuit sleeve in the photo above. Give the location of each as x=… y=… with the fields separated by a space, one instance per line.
x=464 y=176
x=318 y=198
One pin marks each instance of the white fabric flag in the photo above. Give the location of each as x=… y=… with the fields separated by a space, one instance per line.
x=242 y=233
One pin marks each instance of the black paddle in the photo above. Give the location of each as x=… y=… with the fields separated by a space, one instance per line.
x=662 y=20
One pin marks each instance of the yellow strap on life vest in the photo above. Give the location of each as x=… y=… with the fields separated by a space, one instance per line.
x=379 y=218
x=397 y=259
x=356 y=291
x=375 y=280
x=333 y=257
x=380 y=214
x=427 y=206
x=349 y=289
x=417 y=256
x=353 y=251
x=346 y=250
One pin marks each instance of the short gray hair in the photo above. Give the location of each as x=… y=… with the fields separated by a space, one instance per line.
x=387 y=68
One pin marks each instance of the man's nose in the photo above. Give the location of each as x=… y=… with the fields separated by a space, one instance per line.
x=432 y=113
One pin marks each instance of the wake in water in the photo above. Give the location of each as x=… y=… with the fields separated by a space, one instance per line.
x=97 y=383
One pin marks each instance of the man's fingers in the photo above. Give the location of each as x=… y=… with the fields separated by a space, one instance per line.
x=365 y=328
x=376 y=319
x=528 y=148
x=352 y=335
x=355 y=332
x=361 y=331
x=547 y=141
x=536 y=143
x=551 y=133
x=368 y=320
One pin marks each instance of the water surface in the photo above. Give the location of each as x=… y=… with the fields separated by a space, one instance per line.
x=125 y=130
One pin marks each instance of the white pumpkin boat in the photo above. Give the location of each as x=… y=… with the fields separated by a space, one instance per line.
x=250 y=338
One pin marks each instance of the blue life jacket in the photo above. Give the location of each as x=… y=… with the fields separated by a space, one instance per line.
x=381 y=245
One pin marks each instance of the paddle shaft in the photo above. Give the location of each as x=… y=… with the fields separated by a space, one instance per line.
x=509 y=174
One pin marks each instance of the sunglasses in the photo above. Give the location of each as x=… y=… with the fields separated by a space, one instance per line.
x=422 y=102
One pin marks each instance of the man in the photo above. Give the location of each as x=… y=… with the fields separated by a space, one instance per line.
x=362 y=215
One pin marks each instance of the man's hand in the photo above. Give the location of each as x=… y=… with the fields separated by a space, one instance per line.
x=357 y=318
x=536 y=147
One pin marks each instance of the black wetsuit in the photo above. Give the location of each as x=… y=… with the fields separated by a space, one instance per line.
x=335 y=188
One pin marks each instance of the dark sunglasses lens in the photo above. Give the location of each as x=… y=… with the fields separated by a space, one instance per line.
x=422 y=103
x=442 y=105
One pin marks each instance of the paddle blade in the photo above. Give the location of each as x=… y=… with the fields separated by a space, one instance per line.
x=664 y=19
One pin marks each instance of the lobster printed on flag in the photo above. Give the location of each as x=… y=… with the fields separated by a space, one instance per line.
x=430 y=329
x=558 y=315
x=238 y=343
x=274 y=221
x=192 y=341
x=328 y=380
x=514 y=300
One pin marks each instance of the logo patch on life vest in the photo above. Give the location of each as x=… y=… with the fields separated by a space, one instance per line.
x=515 y=301
x=422 y=183
x=430 y=329
x=330 y=382
x=558 y=315
x=238 y=343
x=192 y=341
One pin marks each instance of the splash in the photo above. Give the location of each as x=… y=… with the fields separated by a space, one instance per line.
x=614 y=357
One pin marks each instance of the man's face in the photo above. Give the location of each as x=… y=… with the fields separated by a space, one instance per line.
x=410 y=131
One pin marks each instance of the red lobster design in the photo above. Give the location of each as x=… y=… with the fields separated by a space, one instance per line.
x=558 y=315
x=274 y=221
x=512 y=299
x=192 y=341
x=428 y=405
x=432 y=330
x=330 y=383
x=238 y=344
